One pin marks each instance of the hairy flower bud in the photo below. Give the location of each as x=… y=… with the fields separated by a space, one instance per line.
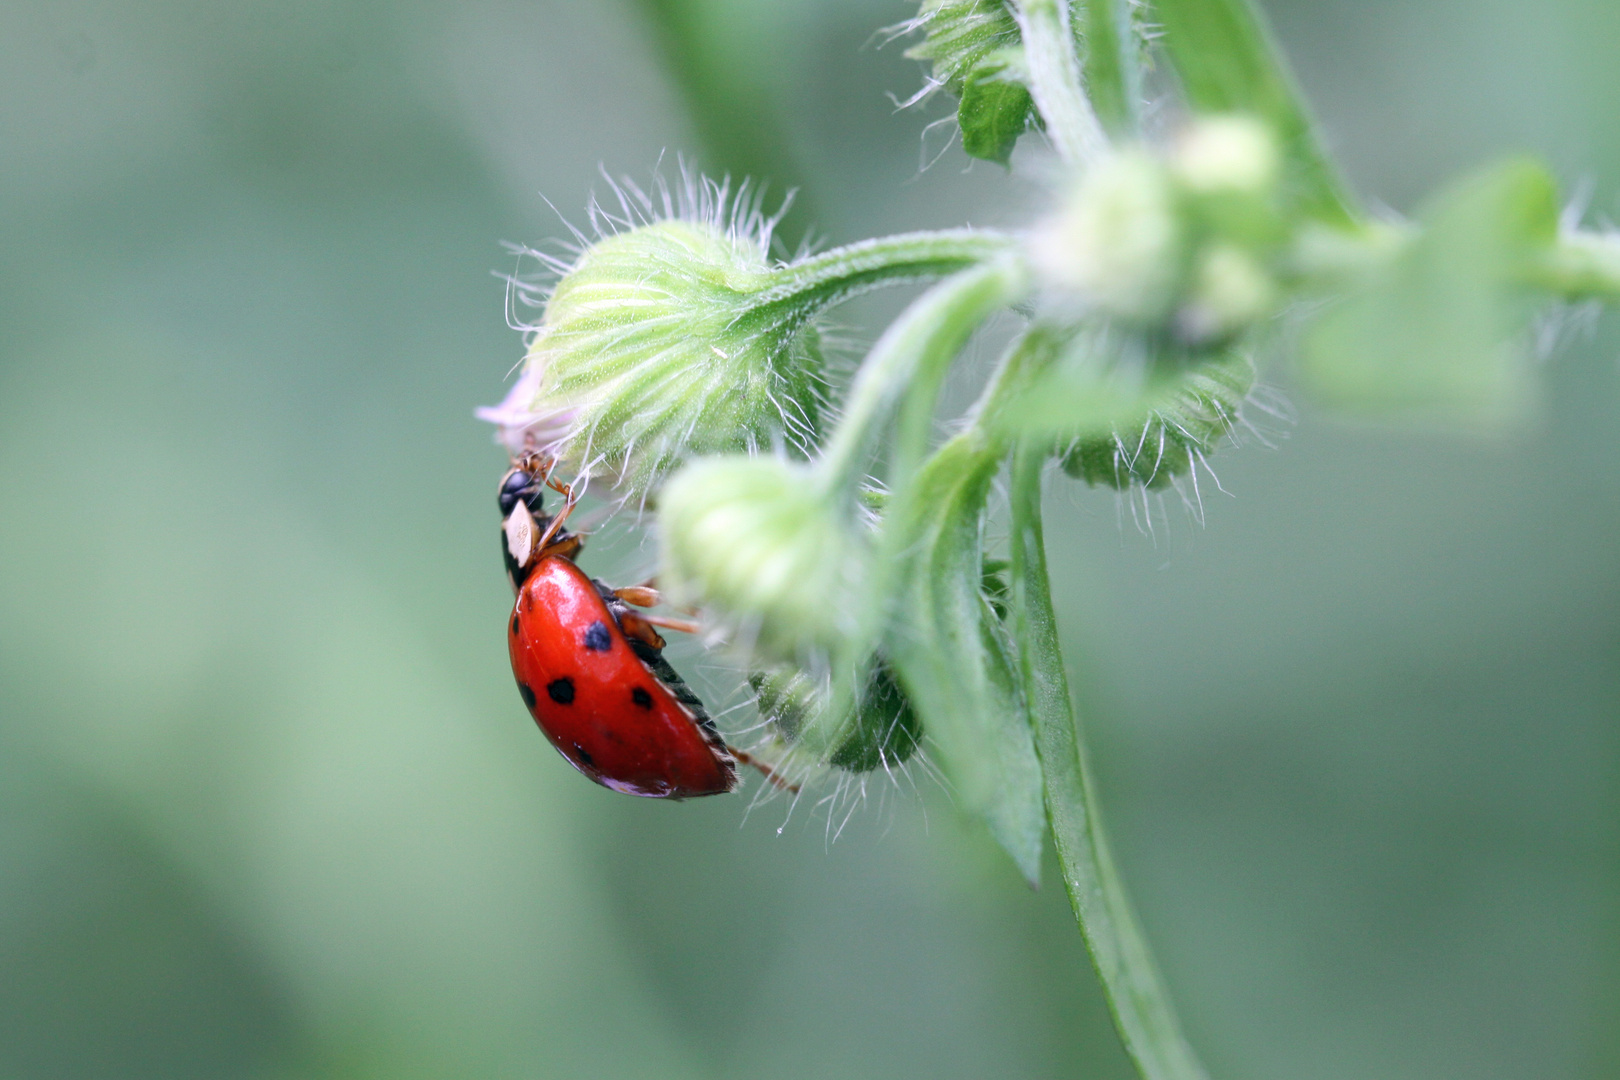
x=662 y=342
x=757 y=543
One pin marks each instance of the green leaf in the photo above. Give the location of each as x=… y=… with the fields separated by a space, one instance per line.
x=1439 y=330
x=1124 y=408
x=992 y=114
x=885 y=731
x=947 y=649
x=1226 y=58
x=1142 y=1009
x=1188 y=416
x=974 y=48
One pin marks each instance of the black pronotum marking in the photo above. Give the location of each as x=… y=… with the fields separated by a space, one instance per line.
x=526 y=694
x=597 y=638
x=561 y=690
x=640 y=696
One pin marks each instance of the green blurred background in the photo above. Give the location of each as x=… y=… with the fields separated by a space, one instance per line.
x=270 y=806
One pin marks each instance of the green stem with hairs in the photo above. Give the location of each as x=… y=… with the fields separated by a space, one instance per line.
x=1054 y=80
x=906 y=368
x=800 y=289
x=1142 y=1009
x=1112 y=65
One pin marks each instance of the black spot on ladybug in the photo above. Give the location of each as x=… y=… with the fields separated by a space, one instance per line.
x=526 y=694
x=561 y=690
x=583 y=754
x=640 y=696
x=514 y=624
x=597 y=638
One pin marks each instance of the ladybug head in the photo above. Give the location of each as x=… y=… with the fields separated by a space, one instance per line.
x=520 y=484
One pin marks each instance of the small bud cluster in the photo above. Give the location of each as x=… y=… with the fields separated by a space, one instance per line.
x=1181 y=242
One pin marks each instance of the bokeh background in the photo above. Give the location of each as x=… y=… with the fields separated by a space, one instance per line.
x=270 y=806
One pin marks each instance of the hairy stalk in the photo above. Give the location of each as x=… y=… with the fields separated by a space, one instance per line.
x=905 y=370
x=906 y=367
x=1113 y=65
x=816 y=282
x=1054 y=80
x=1142 y=1009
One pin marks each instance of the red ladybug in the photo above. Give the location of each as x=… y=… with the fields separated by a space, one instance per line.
x=592 y=671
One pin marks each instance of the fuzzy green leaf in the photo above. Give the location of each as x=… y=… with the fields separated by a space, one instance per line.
x=947 y=649
x=992 y=114
x=1440 y=329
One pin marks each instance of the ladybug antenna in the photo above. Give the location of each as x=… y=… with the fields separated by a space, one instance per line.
x=769 y=773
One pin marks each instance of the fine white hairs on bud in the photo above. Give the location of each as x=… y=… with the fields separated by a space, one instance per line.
x=757 y=542
x=661 y=341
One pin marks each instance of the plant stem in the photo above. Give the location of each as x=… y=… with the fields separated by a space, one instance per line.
x=1142 y=1009
x=819 y=281
x=1113 y=65
x=1054 y=80
x=907 y=365
x=904 y=370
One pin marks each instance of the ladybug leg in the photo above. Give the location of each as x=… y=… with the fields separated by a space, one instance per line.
x=568 y=547
x=639 y=595
x=646 y=595
x=769 y=773
x=556 y=523
x=685 y=626
x=639 y=628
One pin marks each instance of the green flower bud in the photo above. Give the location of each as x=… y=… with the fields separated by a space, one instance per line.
x=1115 y=246
x=658 y=344
x=1230 y=290
x=1200 y=412
x=757 y=542
x=1232 y=153
x=882 y=732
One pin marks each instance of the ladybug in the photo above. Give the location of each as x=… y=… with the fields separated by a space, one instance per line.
x=592 y=671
